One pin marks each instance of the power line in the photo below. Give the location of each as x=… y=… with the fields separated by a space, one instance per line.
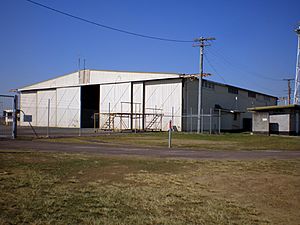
x=214 y=69
x=250 y=81
x=107 y=27
x=240 y=67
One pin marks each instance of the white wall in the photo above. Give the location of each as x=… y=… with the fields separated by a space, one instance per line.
x=164 y=95
x=113 y=95
x=97 y=77
x=158 y=95
x=68 y=107
x=67 y=80
x=106 y=77
x=28 y=105
x=42 y=109
x=283 y=122
x=64 y=107
x=137 y=89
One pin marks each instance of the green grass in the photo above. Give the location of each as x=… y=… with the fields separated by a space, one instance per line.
x=57 y=188
x=193 y=141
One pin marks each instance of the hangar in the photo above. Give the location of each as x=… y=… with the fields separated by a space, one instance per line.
x=137 y=100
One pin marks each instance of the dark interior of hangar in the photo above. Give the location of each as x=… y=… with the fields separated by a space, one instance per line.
x=89 y=105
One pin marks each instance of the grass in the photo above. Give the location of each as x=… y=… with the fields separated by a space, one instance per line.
x=57 y=188
x=193 y=141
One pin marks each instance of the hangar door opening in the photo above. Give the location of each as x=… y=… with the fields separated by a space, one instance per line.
x=89 y=105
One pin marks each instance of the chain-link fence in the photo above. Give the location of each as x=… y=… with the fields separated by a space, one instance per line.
x=208 y=123
x=8 y=117
x=202 y=123
x=48 y=119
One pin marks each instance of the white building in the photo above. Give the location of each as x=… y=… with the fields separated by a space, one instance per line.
x=136 y=100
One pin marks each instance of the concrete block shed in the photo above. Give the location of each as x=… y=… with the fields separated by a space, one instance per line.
x=136 y=100
x=276 y=119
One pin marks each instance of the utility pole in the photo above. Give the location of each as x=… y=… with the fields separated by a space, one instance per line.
x=201 y=42
x=80 y=121
x=289 y=89
x=282 y=99
x=297 y=78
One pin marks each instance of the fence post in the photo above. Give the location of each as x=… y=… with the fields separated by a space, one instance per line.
x=219 y=121
x=15 y=121
x=202 y=121
x=121 y=119
x=172 y=116
x=170 y=134
x=79 y=131
x=95 y=123
x=210 y=115
x=109 y=115
x=191 y=120
x=135 y=117
x=48 y=123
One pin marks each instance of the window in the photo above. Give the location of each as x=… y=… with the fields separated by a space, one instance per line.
x=267 y=98
x=233 y=90
x=251 y=94
x=235 y=116
x=210 y=85
x=207 y=84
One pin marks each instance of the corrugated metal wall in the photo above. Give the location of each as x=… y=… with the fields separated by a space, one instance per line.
x=214 y=95
x=28 y=105
x=111 y=96
x=64 y=107
x=161 y=97
x=137 y=99
x=108 y=77
x=68 y=107
x=164 y=96
x=42 y=109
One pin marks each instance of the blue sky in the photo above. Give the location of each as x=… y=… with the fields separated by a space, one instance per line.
x=255 y=46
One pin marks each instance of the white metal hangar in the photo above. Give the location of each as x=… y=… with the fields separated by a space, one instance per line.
x=137 y=100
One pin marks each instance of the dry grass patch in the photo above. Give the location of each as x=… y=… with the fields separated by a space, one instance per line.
x=191 y=141
x=53 y=188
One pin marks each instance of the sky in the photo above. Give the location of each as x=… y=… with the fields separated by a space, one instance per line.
x=255 y=46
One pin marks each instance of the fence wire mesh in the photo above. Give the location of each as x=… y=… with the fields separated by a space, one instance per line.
x=49 y=119
x=6 y=115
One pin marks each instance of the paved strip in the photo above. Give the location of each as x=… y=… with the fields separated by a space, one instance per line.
x=107 y=149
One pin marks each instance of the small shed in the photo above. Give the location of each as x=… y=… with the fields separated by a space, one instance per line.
x=276 y=119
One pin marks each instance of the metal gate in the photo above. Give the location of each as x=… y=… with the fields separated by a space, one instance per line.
x=8 y=117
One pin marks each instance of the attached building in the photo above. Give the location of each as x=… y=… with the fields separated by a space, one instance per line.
x=276 y=119
x=137 y=100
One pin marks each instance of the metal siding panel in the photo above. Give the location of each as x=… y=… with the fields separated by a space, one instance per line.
x=137 y=105
x=42 y=108
x=68 y=107
x=114 y=94
x=98 y=77
x=105 y=77
x=62 y=81
x=165 y=95
x=283 y=122
x=28 y=105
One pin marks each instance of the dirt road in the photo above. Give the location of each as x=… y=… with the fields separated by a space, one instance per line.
x=105 y=149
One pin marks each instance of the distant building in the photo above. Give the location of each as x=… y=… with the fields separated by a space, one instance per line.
x=137 y=100
x=276 y=119
x=8 y=115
